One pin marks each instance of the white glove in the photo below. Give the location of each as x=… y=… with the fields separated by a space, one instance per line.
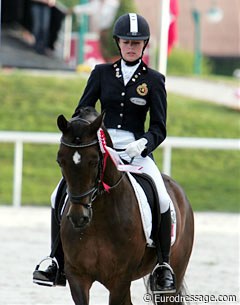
x=135 y=148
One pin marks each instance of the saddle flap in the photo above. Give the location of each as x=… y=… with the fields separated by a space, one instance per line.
x=149 y=188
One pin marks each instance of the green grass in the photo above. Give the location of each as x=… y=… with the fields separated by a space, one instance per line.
x=181 y=62
x=210 y=178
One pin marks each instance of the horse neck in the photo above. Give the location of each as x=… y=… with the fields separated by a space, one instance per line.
x=111 y=174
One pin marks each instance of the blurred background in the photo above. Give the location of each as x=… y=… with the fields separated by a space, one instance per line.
x=196 y=44
x=202 y=51
x=80 y=33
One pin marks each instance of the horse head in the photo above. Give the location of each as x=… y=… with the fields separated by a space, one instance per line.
x=80 y=161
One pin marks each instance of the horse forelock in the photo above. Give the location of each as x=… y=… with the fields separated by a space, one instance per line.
x=79 y=124
x=87 y=113
x=78 y=131
x=83 y=128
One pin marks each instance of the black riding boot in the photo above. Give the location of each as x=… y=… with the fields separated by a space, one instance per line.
x=162 y=278
x=54 y=274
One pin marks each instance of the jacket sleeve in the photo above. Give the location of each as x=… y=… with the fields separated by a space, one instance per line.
x=156 y=133
x=91 y=92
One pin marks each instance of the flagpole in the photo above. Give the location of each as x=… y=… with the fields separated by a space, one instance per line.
x=163 y=39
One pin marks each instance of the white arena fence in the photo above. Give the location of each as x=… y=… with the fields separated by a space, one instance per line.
x=19 y=138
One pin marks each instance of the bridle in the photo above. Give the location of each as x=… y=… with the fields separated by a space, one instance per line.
x=76 y=199
x=97 y=189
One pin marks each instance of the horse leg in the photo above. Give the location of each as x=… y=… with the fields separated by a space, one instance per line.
x=120 y=293
x=79 y=287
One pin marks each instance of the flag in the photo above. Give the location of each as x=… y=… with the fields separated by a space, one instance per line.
x=172 y=32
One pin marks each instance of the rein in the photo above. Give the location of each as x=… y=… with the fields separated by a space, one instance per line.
x=95 y=191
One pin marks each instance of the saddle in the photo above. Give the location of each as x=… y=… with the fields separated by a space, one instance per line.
x=149 y=187
x=147 y=184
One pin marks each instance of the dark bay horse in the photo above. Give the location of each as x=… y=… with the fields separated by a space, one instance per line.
x=101 y=231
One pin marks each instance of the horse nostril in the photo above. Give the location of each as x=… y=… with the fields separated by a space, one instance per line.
x=84 y=220
x=78 y=222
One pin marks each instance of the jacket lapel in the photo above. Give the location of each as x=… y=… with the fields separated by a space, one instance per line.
x=117 y=70
x=141 y=70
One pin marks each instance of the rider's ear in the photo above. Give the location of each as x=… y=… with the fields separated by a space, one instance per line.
x=97 y=123
x=62 y=123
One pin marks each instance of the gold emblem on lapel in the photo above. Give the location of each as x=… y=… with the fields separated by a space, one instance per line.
x=142 y=89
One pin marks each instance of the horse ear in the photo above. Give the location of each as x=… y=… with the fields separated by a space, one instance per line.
x=97 y=123
x=62 y=123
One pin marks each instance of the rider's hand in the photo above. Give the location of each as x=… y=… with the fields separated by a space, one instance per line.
x=135 y=148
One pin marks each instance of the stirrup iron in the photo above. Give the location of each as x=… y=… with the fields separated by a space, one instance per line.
x=45 y=283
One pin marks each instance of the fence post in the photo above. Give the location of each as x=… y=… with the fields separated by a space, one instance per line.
x=167 y=156
x=17 y=178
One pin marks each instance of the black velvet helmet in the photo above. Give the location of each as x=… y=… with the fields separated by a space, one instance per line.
x=131 y=27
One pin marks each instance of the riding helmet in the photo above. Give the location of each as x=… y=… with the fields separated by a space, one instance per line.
x=131 y=27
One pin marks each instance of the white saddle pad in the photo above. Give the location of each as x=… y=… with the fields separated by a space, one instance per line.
x=146 y=213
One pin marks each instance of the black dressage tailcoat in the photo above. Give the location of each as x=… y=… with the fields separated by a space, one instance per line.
x=126 y=107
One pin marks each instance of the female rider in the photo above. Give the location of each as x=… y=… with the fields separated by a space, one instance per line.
x=128 y=89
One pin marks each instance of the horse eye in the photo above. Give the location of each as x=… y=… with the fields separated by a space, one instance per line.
x=58 y=162
x=93 y=163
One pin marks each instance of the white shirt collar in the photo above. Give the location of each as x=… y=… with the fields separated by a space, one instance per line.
x=128 y=71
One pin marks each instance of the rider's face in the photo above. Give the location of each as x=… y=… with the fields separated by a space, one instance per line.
x=131 y=50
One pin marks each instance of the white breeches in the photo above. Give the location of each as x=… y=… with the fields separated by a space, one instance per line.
x=120 y=139
x=53 y=196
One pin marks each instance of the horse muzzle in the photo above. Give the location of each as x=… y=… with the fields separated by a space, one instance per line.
x=79 y=216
